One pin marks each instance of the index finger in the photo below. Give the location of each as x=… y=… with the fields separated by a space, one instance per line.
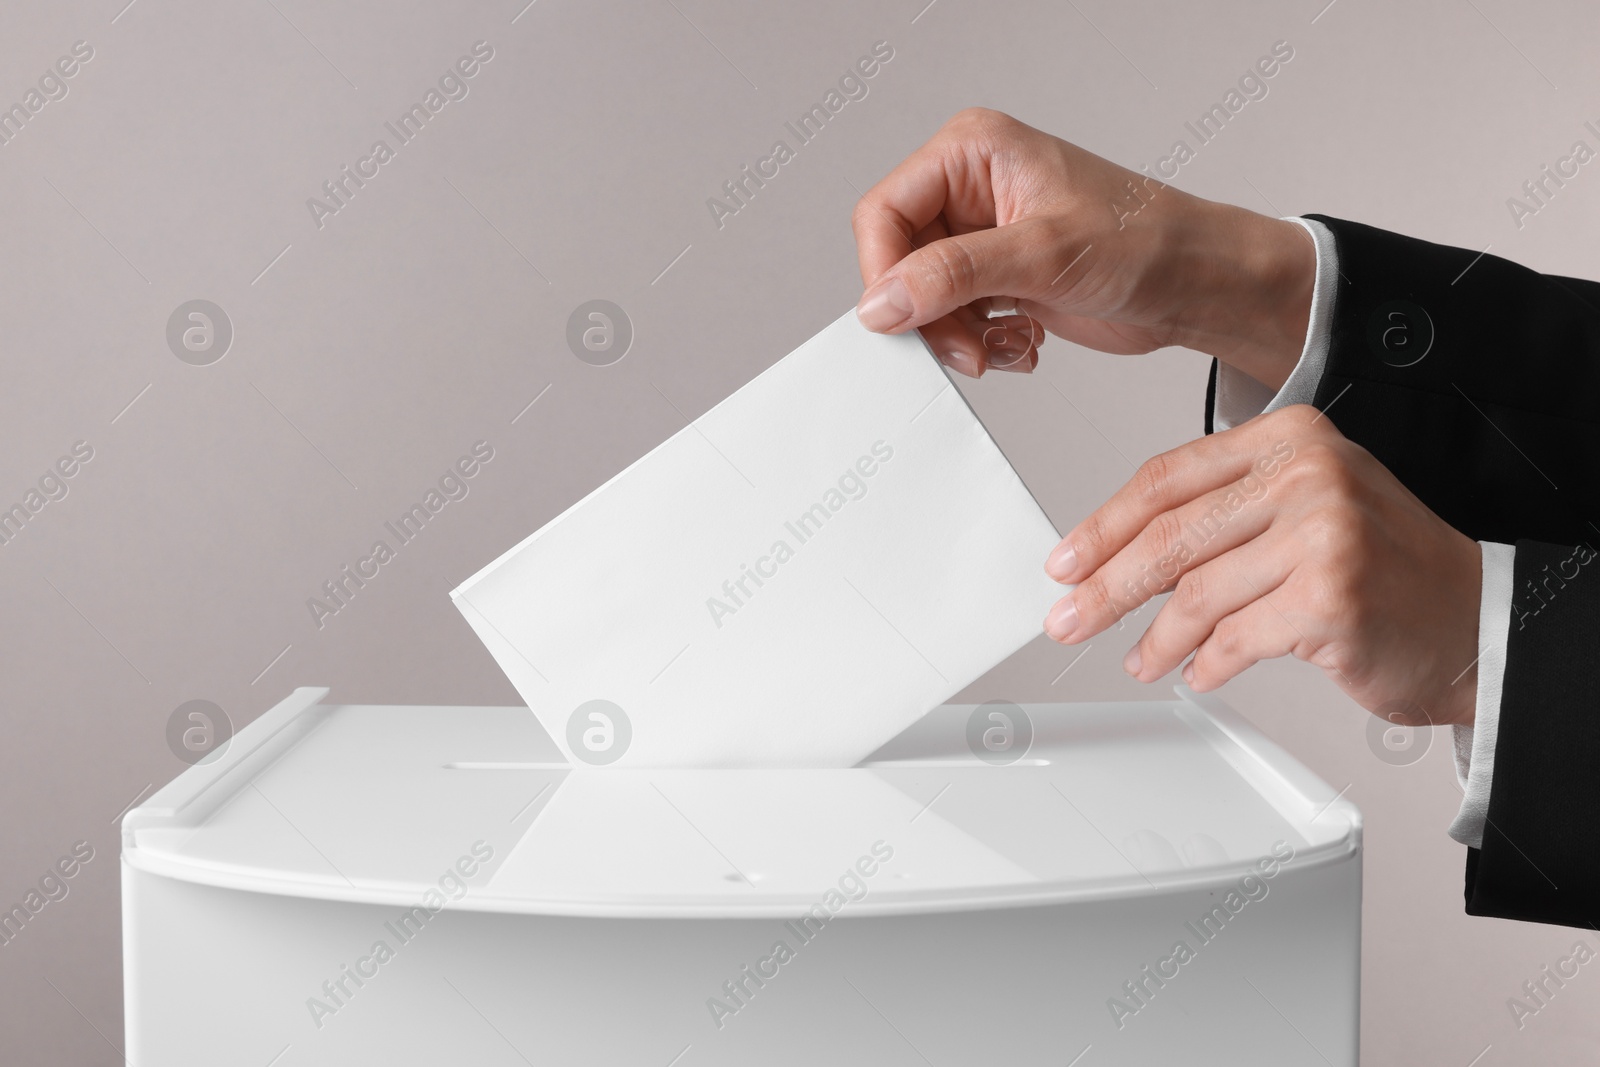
x=911 y=196
x=1161 y=484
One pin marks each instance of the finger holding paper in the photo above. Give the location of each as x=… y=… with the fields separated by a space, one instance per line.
x=993 y=213
x=1282 y=537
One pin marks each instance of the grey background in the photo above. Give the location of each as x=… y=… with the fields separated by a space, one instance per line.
x=427 y=315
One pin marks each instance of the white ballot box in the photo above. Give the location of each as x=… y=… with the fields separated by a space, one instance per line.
x=1085 y=884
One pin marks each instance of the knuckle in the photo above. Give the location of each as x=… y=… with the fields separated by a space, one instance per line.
x=1328 y=531
x=1103 y=599
x=1318 y=594
x=1150 y=480
x=1316 y=457
x=1163 y=649
x=1164 y=534
x=868 y=217
x=1227 y=639
x=1092 y=538
x=948 y=268
x=982 y=119
x=1328 y=595
x=1093 y=600
x=861 y=214
x=965 y=117
x=1190 y=594
x=1323 y=466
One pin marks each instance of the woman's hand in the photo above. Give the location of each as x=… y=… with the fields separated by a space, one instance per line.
x=994 y=215
x=1282 y=536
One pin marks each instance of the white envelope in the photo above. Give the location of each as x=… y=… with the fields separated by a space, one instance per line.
x=790 y=580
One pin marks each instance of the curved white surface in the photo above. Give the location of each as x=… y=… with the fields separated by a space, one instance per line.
x=378 y=804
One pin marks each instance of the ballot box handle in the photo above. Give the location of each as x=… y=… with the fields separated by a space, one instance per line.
x=190 y=798
x=1283 y=780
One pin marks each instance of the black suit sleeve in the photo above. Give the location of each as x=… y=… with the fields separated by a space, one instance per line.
x=1477 y=383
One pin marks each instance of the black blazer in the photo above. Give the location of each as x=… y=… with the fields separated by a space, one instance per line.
x=1477 y=383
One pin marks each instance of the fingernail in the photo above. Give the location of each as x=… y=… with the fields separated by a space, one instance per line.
x=1188 y=671
x=1062 y=620
x=965 y=364
x=1133 y=661
x=1009 y=360
x=958 y=362
x=1062 y=562
x=885 y=307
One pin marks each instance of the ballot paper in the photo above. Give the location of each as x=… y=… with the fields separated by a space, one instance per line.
x=788 y=581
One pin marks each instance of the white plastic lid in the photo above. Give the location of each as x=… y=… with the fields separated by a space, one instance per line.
x=386 y=804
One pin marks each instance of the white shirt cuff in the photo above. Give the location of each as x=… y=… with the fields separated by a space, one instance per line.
x=1474 y=745
x=1240 y=397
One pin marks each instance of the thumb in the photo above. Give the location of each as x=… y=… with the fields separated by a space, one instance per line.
x=936 y=279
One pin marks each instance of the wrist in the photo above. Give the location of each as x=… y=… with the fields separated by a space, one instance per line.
x=1249 y=280
x=1462 y=707
x=1458 y=706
